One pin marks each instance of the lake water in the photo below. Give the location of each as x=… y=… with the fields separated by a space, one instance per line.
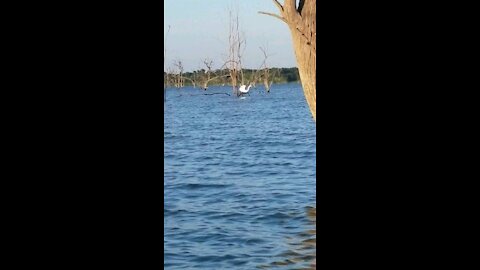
x=239 y=179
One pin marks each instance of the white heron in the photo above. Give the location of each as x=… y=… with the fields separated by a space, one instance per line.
x=243 y=90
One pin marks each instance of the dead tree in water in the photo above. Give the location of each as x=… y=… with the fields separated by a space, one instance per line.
x=207 y=76
x=165 y=74
x=192 y=80
x=194 y=84
x=236 y=47
x=179 y=80
x=171 y=78
x=302 y=23
x=266 y=76
x=208 y=73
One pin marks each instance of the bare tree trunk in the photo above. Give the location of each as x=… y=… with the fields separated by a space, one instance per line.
x=208 y=64
x=165 y=78
x=180 y=82
x=302 y=23
x=191 y=80
x=194 y=81
x=266 y=75
x=206 y=77
x=237 y=45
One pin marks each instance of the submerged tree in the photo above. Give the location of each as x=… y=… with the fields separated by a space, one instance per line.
x=165 y=74
x=192 y=80
x=206 y=77
x=171 y=77
x=207 y=74
x=266 y=76
x=302 y=23
x=236 y=44
x=179 y=81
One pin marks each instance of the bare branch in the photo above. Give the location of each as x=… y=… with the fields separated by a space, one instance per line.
x=264 y=52
x=208 y=63
x=186 y=78
x=274 y=15
x=278 y=5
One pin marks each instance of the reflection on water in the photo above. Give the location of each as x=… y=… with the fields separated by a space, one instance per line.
x=302 y=252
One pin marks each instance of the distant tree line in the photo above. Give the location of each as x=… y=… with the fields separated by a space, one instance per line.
x=221 y=76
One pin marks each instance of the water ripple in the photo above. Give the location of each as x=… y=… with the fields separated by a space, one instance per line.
x=239 y=180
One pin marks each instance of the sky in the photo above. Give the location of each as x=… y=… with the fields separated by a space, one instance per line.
x=199 y=29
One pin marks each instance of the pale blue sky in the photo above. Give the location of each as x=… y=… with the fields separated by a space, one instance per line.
x=199 y=29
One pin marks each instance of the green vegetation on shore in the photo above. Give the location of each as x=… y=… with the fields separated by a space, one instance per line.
x=279 y=75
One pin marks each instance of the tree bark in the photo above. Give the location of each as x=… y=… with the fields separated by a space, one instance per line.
x=302 y=23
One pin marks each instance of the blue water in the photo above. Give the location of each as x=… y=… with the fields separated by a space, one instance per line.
x=239 y=179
